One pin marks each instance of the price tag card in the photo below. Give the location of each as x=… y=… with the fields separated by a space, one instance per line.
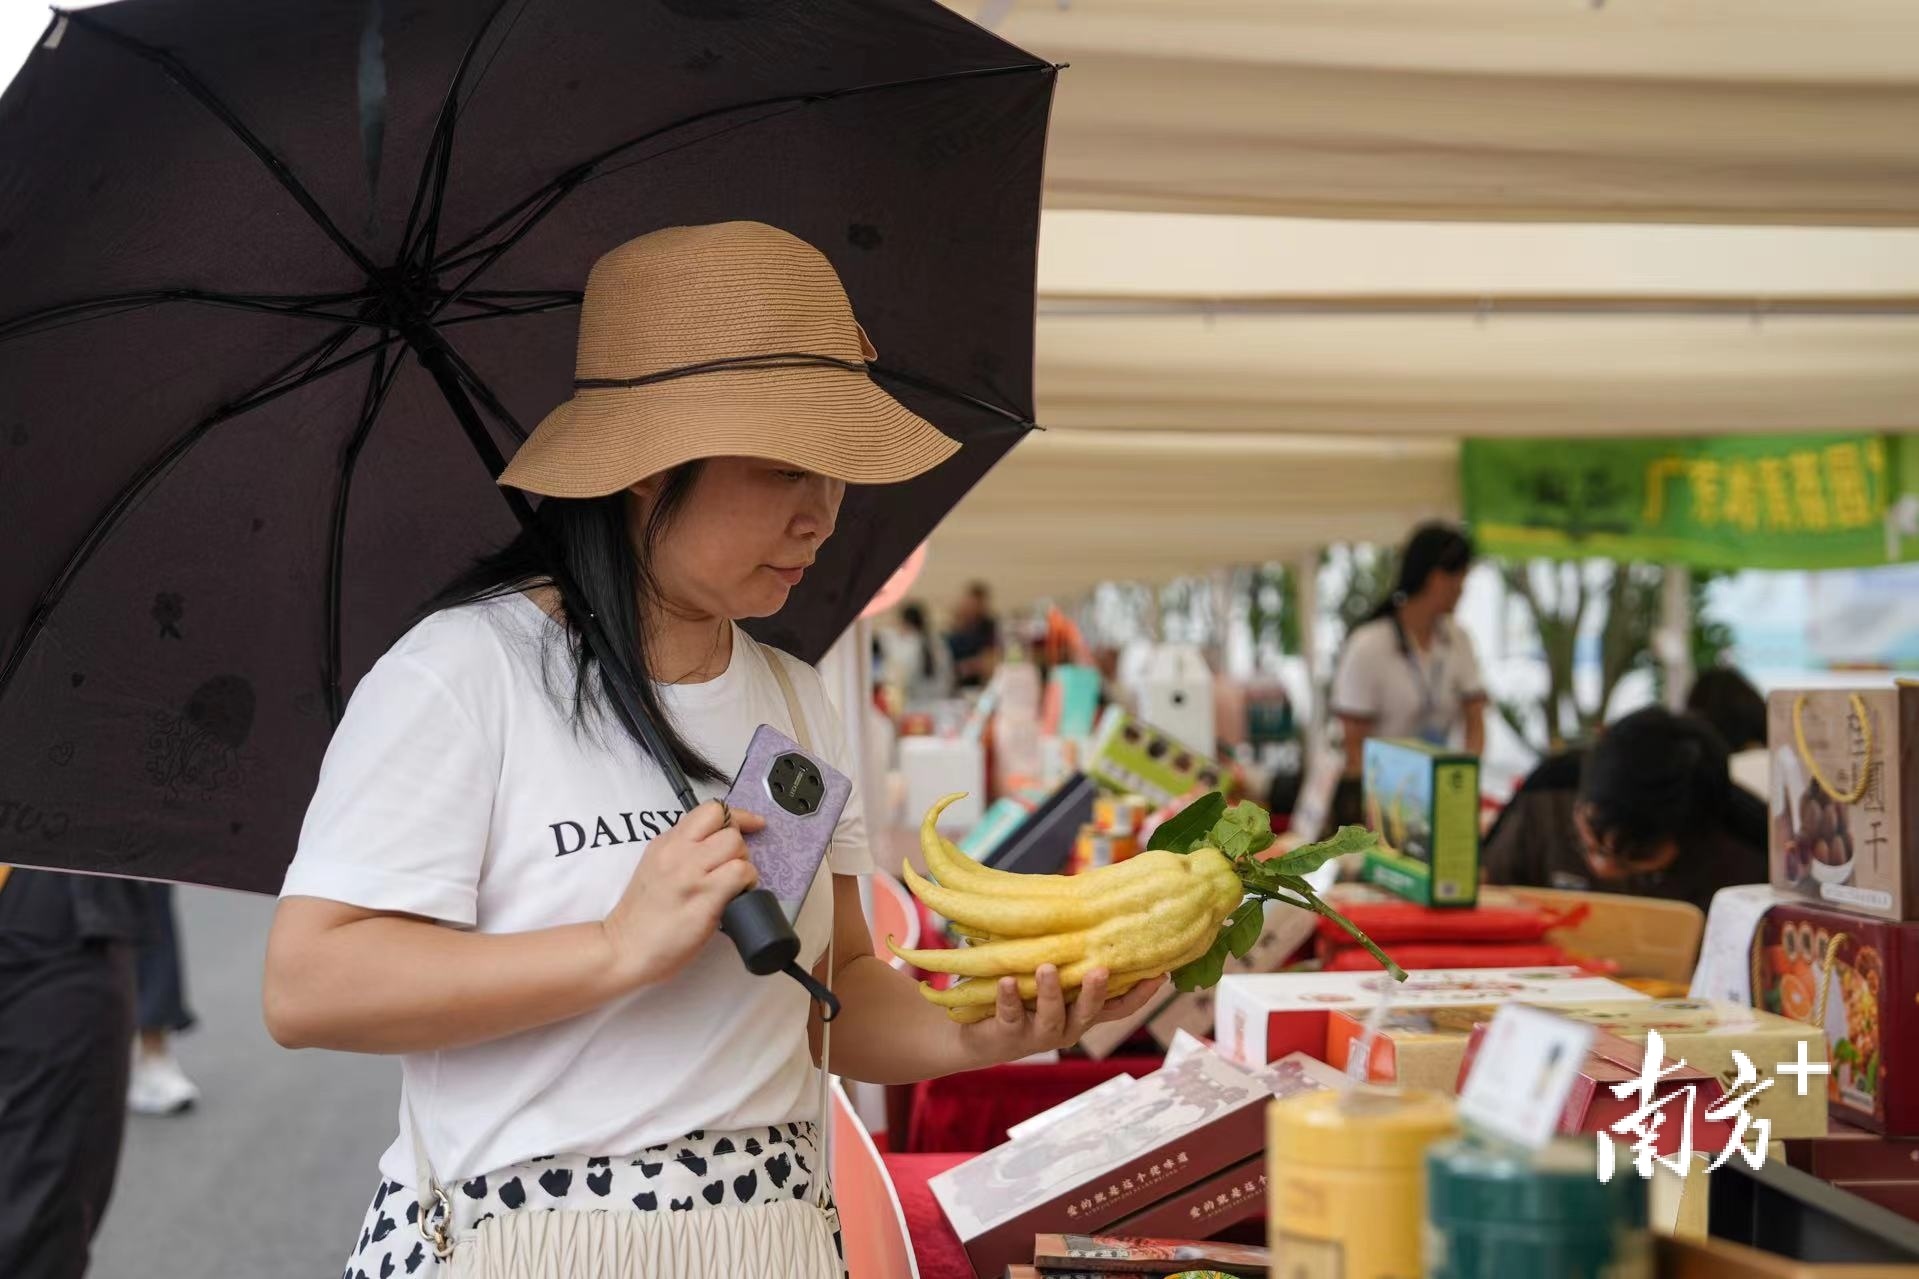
x=1524 y=1073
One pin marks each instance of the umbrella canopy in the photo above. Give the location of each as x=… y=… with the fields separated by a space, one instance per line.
x=228 y=229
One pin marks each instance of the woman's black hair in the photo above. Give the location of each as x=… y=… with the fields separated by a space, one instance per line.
x=1432 y=546
x=913 y=614
x=1653 y=776
x=594 y=538
x=1727 y=700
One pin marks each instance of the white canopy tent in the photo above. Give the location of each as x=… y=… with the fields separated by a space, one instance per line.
x=1709 y=111
x=1223 y=390
x=1552 y=152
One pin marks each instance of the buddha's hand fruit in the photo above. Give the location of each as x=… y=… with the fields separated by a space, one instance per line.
x=1138 y=919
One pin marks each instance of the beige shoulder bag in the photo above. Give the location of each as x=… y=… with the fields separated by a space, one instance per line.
x=792 y=1239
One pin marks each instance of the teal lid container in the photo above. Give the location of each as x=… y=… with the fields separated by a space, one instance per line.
x=1499 y=1212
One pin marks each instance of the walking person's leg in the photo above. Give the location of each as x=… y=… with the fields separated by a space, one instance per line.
x=64 y=1026
x=158 y=1085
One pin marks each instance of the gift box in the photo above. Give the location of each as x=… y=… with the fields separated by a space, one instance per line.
x=1414 y=1048
x=1847 y=1153
x=1204 y=1209
x=1682 y=1096
x=1423 y=803
x=1117 y=1253
x=1845 y=778
x=1866 y=1006
x=1132 y=756
x=1171 y=1130
x=1705 y=1033
x=1262 y=1017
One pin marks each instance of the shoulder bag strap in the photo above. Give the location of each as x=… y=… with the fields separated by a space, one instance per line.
x=823 y=1177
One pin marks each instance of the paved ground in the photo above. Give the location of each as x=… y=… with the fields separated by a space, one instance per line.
x=270 y=1175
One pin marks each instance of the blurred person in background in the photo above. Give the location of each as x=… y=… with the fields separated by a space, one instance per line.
x=158 y=1085
x=916 y=660
x=1538 y=823
x=1656 y=814
x=1737 y=711
x=1407 y=670
x=974 y=641
x=67 y=947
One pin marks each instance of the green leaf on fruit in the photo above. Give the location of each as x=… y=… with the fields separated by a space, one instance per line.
x=1203 y=973
x=1244 y=926
x=1308 y=858
x=1191 y=827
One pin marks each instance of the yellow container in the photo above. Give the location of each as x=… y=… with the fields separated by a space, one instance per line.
x=1346 y=1178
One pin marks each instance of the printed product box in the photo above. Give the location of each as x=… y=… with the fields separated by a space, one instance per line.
x=1845 y=780
x=1115 y=1253
x=1261 y=1017
x=1415 y=1048
x=1593 y=1107
x=1203 y=1210
x=1133 y=757
x=1172 y=1129
x=1871 y=1007
x=1423 y=803
x=1847 y=1153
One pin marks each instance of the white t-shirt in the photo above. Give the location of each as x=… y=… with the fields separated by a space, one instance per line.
x=1407 y=693
x=456 y=788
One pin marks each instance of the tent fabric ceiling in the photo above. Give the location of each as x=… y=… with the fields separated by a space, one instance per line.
x=1069 y=508
x=1293 y=252
x=1712 y=111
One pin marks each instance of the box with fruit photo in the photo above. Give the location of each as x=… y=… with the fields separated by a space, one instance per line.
x=1845 y=779
x=1857 y=980
x=1423 y=802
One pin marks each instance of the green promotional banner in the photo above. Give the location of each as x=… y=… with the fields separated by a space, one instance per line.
x=1774 y=501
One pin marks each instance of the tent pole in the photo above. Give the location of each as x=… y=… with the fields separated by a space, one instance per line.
x=1305 y=571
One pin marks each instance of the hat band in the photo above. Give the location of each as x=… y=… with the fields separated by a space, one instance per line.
x=783 y=360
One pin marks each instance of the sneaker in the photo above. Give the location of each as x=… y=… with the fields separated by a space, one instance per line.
x=158 y=1086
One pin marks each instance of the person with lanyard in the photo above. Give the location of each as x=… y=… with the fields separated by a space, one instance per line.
x=1407 y=671
x=497 y=884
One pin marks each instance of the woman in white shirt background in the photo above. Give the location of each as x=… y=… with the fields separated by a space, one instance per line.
x=497 y=884
x=1407 y=670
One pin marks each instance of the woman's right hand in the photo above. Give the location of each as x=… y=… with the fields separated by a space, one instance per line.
x=673 y=902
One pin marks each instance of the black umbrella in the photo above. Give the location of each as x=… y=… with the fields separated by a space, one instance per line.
x=282 y=279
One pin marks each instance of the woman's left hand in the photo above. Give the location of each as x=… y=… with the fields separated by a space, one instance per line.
x=1015 y=1031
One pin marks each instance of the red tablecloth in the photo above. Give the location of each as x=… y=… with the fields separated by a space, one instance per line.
x=973 y=1111
x=935 y=1246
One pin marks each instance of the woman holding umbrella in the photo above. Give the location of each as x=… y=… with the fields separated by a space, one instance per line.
x=497 y=884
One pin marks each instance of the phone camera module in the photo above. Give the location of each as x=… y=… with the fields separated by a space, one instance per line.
x=796 y=785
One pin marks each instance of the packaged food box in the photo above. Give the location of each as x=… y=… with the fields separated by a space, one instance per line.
x=1173 y=1128
x=1593 y=1106
x=1869 y=1016
x=1205 y=1208
x=1845 y=781
x=1260 y=1017
x=1415 y=1047
x=1133 y=757
x=1423 y=803
x=1117 y=1252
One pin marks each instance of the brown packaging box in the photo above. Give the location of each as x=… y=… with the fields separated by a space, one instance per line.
x=1205 y=1208
x=1174 y=1128
x=1845 y=780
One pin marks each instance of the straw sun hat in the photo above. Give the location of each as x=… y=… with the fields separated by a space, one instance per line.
x=729 y=340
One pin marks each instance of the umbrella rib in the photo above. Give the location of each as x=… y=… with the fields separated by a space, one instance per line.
x=567 y=180
x=379 y=383
x=181 y=75
x=482 y=392
x=439 y=158
x=304 y=306
x=265 y=393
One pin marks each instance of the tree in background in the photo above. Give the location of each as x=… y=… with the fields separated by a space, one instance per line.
x=1566 y=600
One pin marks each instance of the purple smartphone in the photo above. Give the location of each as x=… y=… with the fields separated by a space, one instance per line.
x=801 y=797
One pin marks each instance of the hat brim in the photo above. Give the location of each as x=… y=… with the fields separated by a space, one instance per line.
x=831 y=421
